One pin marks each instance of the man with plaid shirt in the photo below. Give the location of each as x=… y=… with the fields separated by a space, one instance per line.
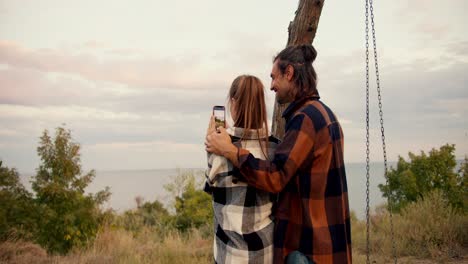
x=312 y=215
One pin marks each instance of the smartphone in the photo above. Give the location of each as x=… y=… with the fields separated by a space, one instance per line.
x=219 y=115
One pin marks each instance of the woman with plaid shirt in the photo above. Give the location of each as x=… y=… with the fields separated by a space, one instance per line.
x=243 y=223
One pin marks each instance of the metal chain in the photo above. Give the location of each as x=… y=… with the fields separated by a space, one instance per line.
x=390 y=201
x=367 y=135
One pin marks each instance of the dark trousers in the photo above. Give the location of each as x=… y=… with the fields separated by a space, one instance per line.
x=297 y=257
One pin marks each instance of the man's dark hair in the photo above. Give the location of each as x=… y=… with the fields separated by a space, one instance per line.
x=300 y=57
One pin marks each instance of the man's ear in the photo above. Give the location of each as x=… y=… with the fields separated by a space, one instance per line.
x=289 y=72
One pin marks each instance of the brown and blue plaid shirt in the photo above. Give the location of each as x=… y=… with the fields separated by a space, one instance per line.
x=312 y=214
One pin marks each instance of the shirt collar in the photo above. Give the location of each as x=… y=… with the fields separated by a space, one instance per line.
x=295 y=105
x=246 y=133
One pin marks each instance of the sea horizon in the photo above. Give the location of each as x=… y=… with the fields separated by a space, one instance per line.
x=127 y=184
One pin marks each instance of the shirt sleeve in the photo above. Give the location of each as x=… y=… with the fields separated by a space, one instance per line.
x=217 y=167
x=272 y=176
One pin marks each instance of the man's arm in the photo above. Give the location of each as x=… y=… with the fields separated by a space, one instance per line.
x=272 y=175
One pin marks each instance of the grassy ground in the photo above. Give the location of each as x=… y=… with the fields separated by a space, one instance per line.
x=425 y=232
x=120 y=246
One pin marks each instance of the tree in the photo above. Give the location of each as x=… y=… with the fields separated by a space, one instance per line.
x=153 y=213
x=463 y=177
x=193 y=206
x=146 y=215
x=17 y=210
x=301 y=31
x=423 y=173
x=69 y=217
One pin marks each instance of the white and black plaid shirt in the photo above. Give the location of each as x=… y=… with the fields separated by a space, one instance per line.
x=243 y=221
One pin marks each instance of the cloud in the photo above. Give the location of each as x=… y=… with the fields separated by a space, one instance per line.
x=414 y=83
x=458 y=50
x=71 y=112
x=100 y=121
x=116 y=140
x=29 y=87
x=424 y=103
x=94 y=44
x=144 y=155
x=432 y=30
x=32 y=87
x=144 y=103
x=144 y=71
x=418 y=98
x=417 y=17
x=455 y=106
x=10 y=133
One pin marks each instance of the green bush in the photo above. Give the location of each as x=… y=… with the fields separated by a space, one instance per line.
x=423 y=173
x=191 y=208
x=17 y=209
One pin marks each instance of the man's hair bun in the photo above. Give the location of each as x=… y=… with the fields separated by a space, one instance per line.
x=309 y=53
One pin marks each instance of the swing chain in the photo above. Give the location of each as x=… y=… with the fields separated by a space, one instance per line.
x=367 y=135
x=390 y=202
x=390 y=197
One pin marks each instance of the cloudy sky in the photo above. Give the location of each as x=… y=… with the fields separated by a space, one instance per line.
x=135 y=81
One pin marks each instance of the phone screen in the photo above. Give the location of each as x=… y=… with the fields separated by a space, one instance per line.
x=219 y=114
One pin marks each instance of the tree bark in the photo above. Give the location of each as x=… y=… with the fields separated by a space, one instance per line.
x=301 y=31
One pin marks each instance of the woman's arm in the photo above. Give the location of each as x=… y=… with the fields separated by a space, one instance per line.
x=217 y=167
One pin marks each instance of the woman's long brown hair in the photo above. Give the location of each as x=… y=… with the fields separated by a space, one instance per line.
x=248 y=94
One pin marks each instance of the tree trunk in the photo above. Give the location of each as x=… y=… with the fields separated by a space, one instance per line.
x=301 y=31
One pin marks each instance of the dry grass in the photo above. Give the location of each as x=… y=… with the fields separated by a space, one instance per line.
x=360 y=258
x=119 y=246
x=22 y=252
x=429 y=231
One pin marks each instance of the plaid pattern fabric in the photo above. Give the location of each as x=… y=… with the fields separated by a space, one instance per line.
x=243 y=223
x=308 y=171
